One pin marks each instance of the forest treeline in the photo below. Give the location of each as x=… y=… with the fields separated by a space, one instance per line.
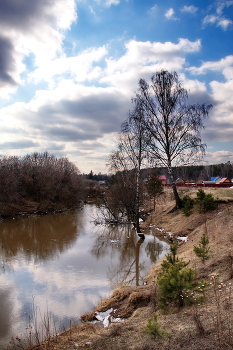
x=195 y=173
x=38 y=180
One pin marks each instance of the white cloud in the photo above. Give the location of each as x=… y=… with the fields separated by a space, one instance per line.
x=38 y=32
x=224 y=23
x=112 y=2
x=108 y=3
x=218 y=18
x=170 y=14
x=220 y=5
x=144 y=58
x=219 y=156
x=210 y=19
x=153 y=10
x=225 y=66
x=220 y=125
x=80 y=67
x=189 y=9
x=220 y=21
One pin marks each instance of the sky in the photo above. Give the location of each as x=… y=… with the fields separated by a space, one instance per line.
x=69 y=70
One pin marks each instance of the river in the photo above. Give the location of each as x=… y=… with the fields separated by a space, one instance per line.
x=61 y=265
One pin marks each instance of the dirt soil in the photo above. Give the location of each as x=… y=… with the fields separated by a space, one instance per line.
x=206 y=326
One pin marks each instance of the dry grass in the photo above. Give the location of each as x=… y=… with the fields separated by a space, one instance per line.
x=205 y=327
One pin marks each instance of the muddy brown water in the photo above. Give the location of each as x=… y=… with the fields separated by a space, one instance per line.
x=60 y=266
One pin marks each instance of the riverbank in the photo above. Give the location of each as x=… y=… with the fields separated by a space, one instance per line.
x=25 y=207
x=207 y=326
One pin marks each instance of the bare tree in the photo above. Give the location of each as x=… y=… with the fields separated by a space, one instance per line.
x=173 y=125
x=129 y=158
x=41 y=178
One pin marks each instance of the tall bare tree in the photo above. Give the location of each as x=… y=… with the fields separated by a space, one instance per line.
x=173 y=125
x=130 y=156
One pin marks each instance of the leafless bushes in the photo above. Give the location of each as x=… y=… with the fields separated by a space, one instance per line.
x=121 y=197
x=39 y=177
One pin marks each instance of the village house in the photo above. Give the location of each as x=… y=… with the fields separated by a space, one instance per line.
x=163 y=179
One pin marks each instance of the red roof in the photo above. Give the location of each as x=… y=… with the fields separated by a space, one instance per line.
x=223 y=180
x=162 y=177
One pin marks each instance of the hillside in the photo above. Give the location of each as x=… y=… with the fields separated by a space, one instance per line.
x=205 y=326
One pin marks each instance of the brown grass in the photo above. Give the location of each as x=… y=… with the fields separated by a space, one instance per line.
x=206 y=327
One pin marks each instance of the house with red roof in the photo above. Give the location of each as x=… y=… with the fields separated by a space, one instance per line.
x=163 y=179
x=222 y=180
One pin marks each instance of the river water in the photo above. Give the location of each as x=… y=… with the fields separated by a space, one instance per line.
x=60 y=266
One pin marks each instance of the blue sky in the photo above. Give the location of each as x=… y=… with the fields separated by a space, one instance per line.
x=68 y=71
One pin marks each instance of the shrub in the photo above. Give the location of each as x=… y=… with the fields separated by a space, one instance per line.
x=173 y=283
x=206 y=201
x=177 y=283
x=200 y=194
x=187 y=205
x=153 y=327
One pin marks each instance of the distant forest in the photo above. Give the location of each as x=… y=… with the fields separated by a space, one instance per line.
x=196 y=173
x=192 y=173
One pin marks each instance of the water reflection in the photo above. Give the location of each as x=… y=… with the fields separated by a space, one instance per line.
x=66 y=264
x=38 y=238
x=128 y=268
x=153 y=250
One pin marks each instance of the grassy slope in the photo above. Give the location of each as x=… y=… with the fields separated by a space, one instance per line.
x=207 y=326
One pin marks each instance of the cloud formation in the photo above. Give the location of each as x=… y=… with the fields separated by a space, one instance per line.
x=76 y=99
x=222 y=22
x=170 y=14
x=31 y=28
x=218 y=17
x=189 y=9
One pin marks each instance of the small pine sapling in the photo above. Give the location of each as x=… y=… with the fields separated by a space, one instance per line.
x=153 y=328
x=202 y=250
x=177 y=283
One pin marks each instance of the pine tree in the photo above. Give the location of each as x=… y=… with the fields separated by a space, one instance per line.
x=202 y=251
x=154 y=185
x=177 y=283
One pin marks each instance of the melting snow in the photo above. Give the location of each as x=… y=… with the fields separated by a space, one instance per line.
x=183 y=239
x=106 y=318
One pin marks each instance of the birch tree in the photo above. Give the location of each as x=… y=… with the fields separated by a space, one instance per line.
x=174 y=127
x=130 y=156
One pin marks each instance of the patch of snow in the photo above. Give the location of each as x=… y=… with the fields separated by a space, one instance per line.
x=114 y=240
x=159 y=229
x=106 y=318
x=169 y=233
x=116 y=320
x=107 y=321
x=100 y=316
x=183 y=239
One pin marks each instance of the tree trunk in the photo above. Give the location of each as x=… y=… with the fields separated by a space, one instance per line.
x=175 y=192
x=176 y=195
x=137 y=200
